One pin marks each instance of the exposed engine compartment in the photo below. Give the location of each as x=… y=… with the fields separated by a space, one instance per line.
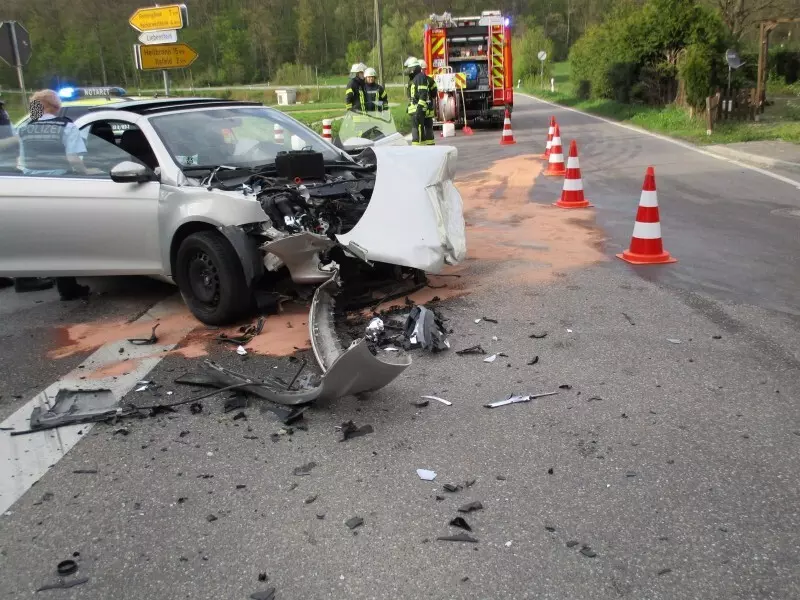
x=328 y=203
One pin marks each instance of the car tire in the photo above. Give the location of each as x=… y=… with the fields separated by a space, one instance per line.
x=210 y=277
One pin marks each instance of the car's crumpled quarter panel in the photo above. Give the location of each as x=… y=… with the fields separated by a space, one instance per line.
x=415 y=217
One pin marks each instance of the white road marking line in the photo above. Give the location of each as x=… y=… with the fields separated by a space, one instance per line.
x=25 y=459
x=664 y=138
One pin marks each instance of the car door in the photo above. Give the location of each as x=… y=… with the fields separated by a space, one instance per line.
x=69 y=224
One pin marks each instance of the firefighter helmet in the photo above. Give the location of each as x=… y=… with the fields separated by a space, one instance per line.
x=370 y=73
x=358 y=68
x=411 y=62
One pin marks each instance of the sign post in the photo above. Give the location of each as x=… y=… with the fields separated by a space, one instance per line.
x=542 y=56
x=15 y=49
x=158 y=26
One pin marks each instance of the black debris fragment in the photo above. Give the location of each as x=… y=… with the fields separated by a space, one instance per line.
x=468 y=508
x=423 y=328
x=146 y=341
x=310 y=499
x=354 y=522
x=550 y=529
x=533 y=361
x=550 y=471
x=196 y=408
x=461 y=537
x=631 y=474
x=121 y=431
x=439 y=498
x=182 y=499
x=572 y=543
x=501 y=478
x=451 y=487
x=489 y=320
x=664 y=572
x=595 y=399
x=67 y=567
x=628 y=318
x=205 y=476
x=588 y=552
x=240 y=415
x=538 y=336
x=160 y=409
x=262 y=577
x=349 y=431
x=470 y=482
x=460 y=523
x=305 y=469
x=236 y=402
x=211 y=518
x=85 y=471
x=477 y=349
x=293 y=487
x=183 y=434
x=716 y=337
x=565 y=386
x=321 y=516
x=420 y=403
x=268 y=594
x=248 y=333
x=241 y=486
x=464 y=579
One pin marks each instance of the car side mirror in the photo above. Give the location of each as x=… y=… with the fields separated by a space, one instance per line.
x=131 y=172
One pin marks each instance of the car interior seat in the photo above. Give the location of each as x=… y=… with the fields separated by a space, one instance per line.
x=103 y=131
x=134 y=142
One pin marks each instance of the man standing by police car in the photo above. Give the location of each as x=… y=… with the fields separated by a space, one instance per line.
x=50 y=145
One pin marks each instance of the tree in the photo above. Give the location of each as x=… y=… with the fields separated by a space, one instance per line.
x=525 y=49
x=739 y=15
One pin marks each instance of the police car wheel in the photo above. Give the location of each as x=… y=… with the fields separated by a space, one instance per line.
x=211 y=280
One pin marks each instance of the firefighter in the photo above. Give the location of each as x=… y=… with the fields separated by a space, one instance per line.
x=433 y=97
x=417 y=100
x=377 y=99
x=355 y=95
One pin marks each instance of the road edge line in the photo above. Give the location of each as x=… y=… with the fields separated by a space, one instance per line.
x=665 y=138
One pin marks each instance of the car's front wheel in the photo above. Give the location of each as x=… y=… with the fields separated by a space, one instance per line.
x=211 y=280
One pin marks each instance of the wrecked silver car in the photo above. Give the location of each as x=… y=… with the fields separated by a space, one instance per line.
x=221 y=197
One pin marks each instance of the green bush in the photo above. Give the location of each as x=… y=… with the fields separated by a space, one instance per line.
x=295 y=74
x=695 y=71
x=525 y=49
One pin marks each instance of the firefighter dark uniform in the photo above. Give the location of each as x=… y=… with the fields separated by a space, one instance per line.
x=355 y=96
x=433 y=96
x=376 y=96
x=418 y=105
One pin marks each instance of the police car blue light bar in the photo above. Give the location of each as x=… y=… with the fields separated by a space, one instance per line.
x=72 y=93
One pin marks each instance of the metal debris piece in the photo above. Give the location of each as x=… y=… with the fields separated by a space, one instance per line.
x=146 y=341
x=477 y=349
x=248 y=333
x=490 y=359
x=268 y=594
x=468 y=508
x=460 y=523
x=349 y=431
x=518 y=399
x=673 y=340
x=354 y=522
x=442 y=400
x=305 y=469
x=461 y=537
x=422 y=328
x=538 y=336
x=75 y=406
x=63 y=584
x=375 y=330
x=451 y=487
x=426 y=475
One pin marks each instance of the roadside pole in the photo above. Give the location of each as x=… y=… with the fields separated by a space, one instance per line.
x=18 y=61
x=166 y=83
x=379 y=40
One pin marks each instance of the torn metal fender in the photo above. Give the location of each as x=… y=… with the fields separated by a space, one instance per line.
x=415 y=216
x=247 y=250
x=300 y=254
x=350 y=371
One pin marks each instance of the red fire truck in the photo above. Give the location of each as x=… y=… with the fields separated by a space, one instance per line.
x=470 y=58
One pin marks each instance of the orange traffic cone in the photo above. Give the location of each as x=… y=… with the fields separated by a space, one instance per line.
x=508 y=135
x=572 y=194
x=555 y=164
x=550 y=131
x=646 y=246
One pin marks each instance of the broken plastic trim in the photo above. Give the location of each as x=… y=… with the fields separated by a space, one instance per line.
x=75 y=406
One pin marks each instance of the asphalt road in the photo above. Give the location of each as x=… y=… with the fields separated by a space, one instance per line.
x=676 y=463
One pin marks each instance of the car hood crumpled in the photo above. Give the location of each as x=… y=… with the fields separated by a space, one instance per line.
x=415 y=217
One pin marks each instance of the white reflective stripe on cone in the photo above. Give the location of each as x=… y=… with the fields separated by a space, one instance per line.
x=551 y=131
x=573 y=185
x=649 y=198
x=573 y=163
x=549 y=144
x=556 y=158
x=647 y=231
x=556 y=141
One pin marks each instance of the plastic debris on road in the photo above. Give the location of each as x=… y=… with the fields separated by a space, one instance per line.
x=477 y=349
x=422 y=328
x=241 y=351
x=468 y=508
x=518 y=399
x=146 y=341
x=461 y=537
x=442 y=400
x=426 y=475
x=673 y=341
x=375 y=330
x=490 y=359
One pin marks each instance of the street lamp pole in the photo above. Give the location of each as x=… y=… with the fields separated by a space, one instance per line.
x=379 y=39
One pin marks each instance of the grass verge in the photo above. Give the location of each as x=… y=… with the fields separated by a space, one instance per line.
x=779 y=122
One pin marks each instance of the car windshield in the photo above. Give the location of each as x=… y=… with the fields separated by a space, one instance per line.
x=240 y=137
x=366 y=125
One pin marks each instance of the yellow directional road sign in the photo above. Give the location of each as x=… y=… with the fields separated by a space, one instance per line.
x=158 y=17
x=164 y=56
